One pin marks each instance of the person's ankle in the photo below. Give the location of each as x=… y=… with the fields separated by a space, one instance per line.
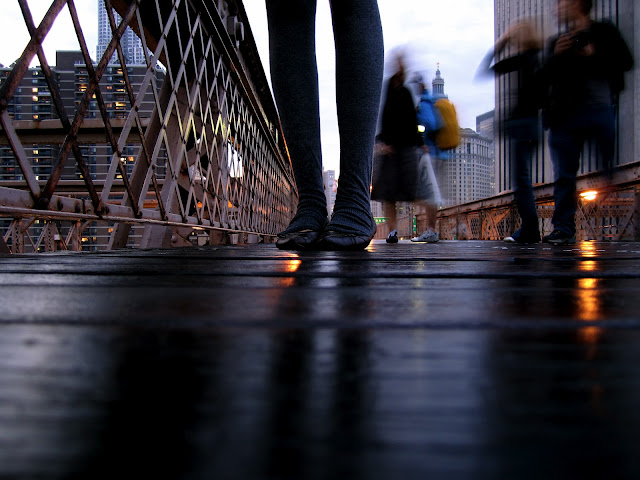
x=351 y=220
x=308 y=220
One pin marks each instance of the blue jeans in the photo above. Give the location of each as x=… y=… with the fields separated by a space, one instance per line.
x=566 y=141
x=523 y=136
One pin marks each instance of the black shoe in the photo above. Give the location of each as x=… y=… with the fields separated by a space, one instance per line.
x=558 y=237
x=331 y=240
x=393 y=237
x=304 y=240
x=523 y=238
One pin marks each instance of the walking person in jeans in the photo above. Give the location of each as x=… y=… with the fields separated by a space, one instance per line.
x=585 y=74
x=359 y=65
x=521 y=126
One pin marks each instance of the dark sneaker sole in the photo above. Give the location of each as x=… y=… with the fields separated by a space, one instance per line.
x=336 y=241
x=298 y=241
x=563 y=241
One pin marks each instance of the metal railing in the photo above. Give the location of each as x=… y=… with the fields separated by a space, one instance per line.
x=611 y=213
x=206 y=163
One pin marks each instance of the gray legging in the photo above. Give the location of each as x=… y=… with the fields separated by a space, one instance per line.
x=359 y=63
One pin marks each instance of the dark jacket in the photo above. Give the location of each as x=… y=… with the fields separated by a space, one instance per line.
x=399 y=123
x=527 y=99
x=574 y=81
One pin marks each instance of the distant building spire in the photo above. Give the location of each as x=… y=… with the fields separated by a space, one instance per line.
x=438 y=85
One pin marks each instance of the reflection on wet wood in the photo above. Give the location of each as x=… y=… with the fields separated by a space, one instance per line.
x=455 y=360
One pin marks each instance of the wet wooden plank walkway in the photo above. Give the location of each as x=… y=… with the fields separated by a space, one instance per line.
x=474 y=360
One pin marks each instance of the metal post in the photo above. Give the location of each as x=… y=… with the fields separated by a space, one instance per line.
x=18 y=236
x=76 y=238
x=636 y=214
x=4 y=248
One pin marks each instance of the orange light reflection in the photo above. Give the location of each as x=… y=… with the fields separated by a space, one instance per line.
x=588 y=249
x=589 y=299
x=290 y=266
x=589 y=310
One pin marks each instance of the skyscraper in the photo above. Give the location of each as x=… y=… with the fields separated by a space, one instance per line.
x=330 y=186
x=131 y=44
x=469 y=170
x=485 y=124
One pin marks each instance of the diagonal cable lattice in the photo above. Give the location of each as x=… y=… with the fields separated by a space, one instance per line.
x=190 y=139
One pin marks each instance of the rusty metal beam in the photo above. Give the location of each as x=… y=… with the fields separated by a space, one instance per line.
x=47 y=132
x=21 y=155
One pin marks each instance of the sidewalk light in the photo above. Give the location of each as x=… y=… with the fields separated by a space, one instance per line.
x=589 y=196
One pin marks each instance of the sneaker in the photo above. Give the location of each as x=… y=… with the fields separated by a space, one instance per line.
x=558 y=237
x=393 y=237
x=523 y=238
x=428 y=236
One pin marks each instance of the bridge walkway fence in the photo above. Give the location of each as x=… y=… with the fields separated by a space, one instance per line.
x=205 y=164
x=608 y=210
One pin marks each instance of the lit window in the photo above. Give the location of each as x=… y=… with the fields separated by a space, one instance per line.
x=34 y=89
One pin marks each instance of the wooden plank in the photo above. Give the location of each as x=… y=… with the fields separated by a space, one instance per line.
x=248 y=362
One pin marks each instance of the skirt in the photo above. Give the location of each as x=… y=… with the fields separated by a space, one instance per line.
x=395 y=176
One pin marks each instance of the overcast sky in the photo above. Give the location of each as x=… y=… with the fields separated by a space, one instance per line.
x=455 y=33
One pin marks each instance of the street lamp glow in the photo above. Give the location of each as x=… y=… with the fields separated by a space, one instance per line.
x=589 y=196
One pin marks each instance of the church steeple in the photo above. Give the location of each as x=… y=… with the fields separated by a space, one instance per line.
x=438 y=85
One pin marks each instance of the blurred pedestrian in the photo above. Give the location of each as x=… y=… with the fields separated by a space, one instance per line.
x=584 y=72
x=521 y=125
x=431 y=165
x=359 y=64
x=396 y=166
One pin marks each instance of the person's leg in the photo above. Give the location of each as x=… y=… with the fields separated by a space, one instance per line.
x=430 y=214
x=566 y=146
x=524 y=139
x=359 y=65
x=294 y=76
x=389 y=211
x=430 y=204
x=602 y=128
